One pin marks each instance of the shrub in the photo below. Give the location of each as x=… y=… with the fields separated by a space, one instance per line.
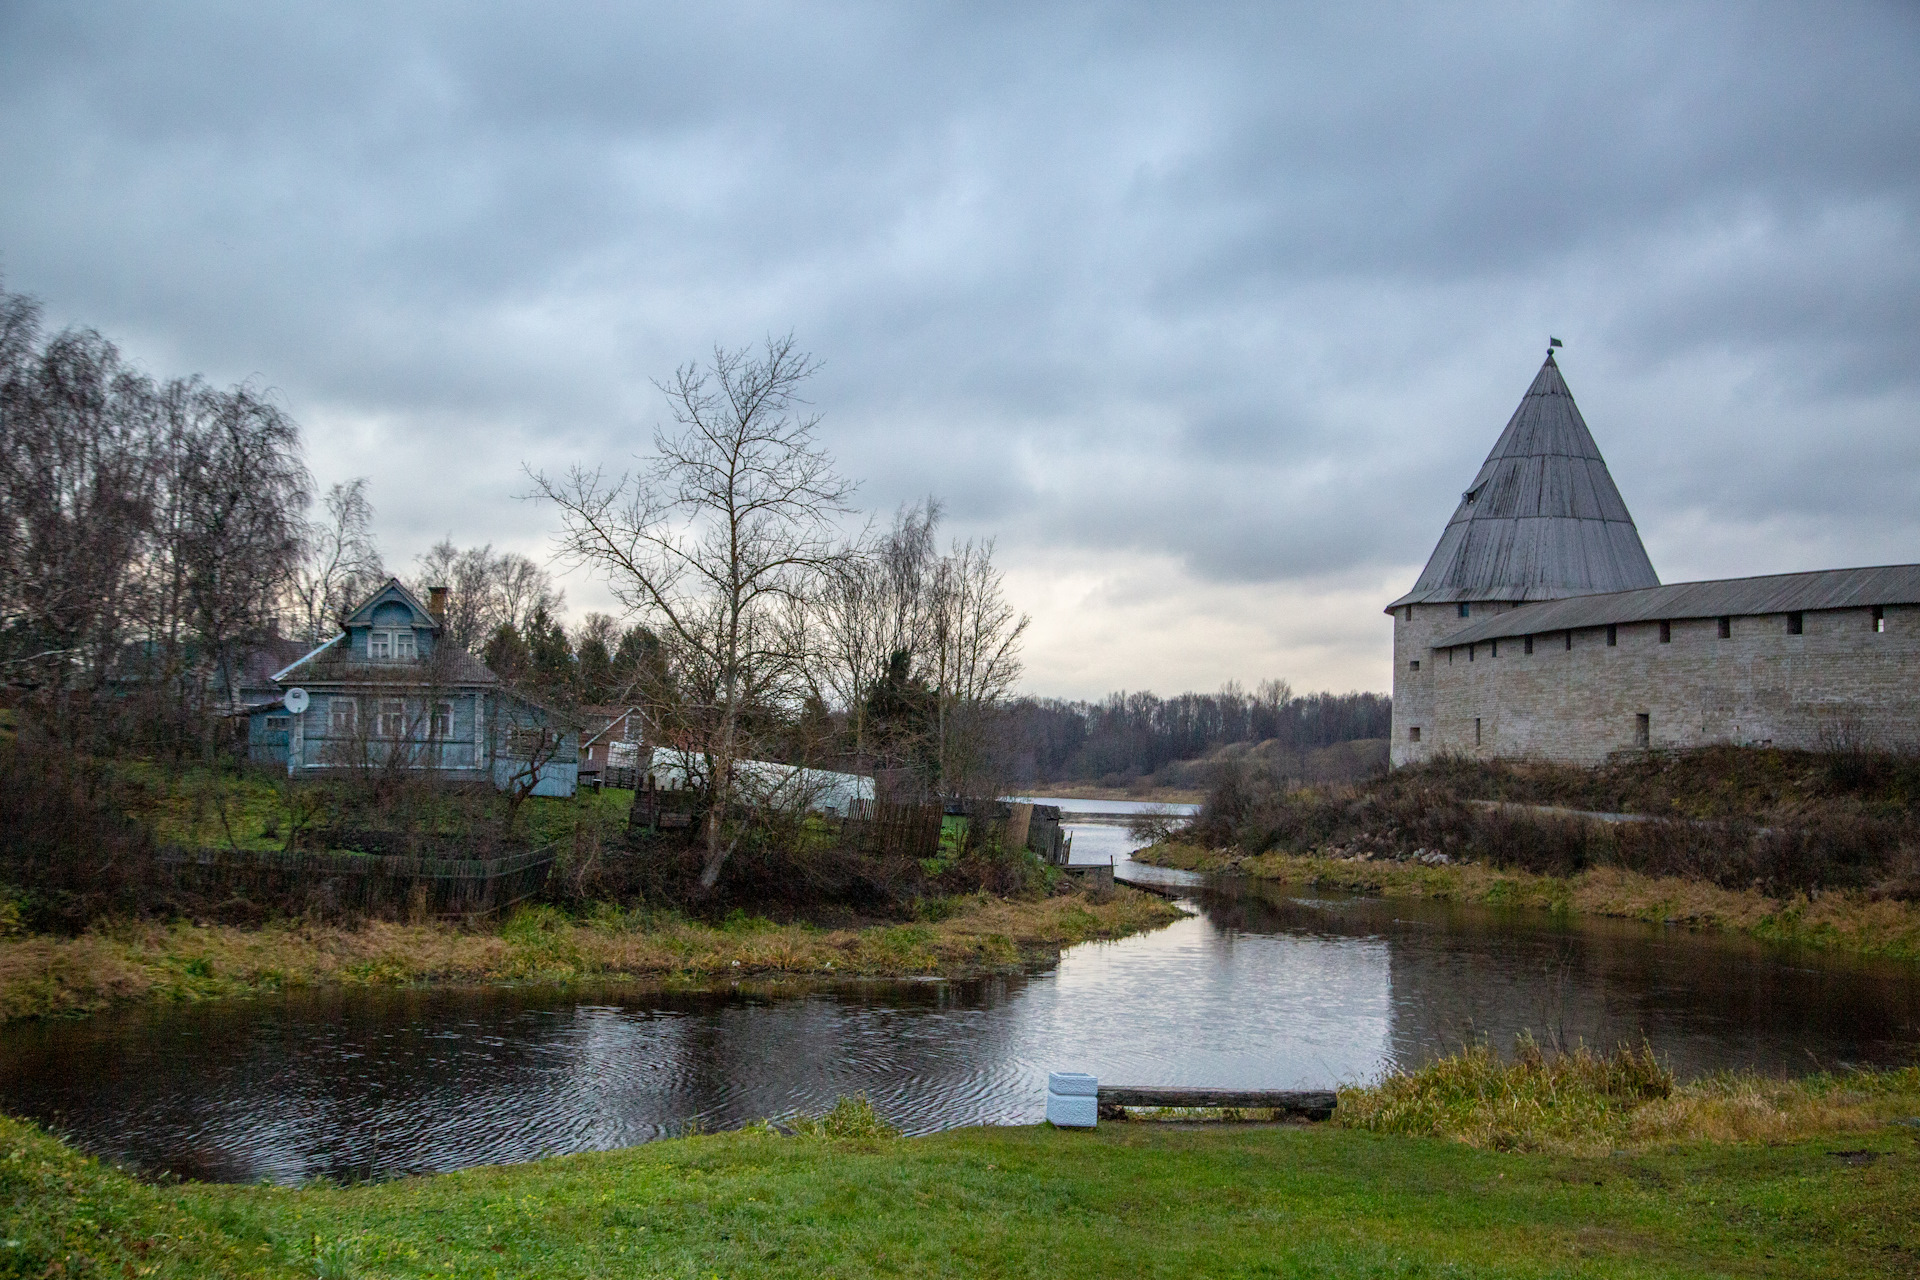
x=851 y=1118
x=1539 y=1099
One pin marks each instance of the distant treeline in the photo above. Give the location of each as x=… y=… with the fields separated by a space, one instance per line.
x=1131 y=735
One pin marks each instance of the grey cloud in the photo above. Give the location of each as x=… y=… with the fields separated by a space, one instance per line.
x=1251 y=286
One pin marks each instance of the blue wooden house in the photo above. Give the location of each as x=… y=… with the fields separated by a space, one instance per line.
x=390 y=692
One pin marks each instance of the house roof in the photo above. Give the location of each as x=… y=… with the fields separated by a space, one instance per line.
x=597 y=720
x=449 y=665
x=394 y=589
x=1720 y=597
x=1542 y=519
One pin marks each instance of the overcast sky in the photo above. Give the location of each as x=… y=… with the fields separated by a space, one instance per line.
x=1206 y=313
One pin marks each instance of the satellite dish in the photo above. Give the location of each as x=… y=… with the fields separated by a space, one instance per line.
x=296 y=700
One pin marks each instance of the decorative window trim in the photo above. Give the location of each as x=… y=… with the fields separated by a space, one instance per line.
x=342 y=715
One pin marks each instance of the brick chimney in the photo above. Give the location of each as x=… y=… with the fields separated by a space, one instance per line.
x=437 y=603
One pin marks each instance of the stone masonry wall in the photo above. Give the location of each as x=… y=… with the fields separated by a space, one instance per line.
x=1840 y=680
x=1414 y=690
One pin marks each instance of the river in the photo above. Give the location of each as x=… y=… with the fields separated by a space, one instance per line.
x=1258 y=987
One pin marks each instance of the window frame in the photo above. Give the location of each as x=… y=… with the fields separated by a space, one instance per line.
x=392 y=721
x=441 y=721
x=343 y=717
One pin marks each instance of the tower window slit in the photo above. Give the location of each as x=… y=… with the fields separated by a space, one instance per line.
x=1527 y=645
x=1796 y=624
x=1666 y=633
x=1879 y=618
x=1613 y=635
x=1726 y=627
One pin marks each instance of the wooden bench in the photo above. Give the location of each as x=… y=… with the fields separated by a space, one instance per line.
x=1308 y=1104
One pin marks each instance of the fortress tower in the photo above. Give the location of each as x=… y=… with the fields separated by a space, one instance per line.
x=1541 y=521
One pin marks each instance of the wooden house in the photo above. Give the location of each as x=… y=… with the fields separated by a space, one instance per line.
x=390 y=692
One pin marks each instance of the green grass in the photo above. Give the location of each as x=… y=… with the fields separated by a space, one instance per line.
x=254 y=808
x=1123 y=1200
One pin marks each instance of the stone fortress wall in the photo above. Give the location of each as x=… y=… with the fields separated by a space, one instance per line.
x=1539 y=629
x=1840 y=680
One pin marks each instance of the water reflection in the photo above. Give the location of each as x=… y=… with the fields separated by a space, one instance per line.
x=1259 y=988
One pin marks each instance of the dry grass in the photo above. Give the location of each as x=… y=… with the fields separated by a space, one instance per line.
x=1837 y=920
x=113 y=963
x=1583 y=1103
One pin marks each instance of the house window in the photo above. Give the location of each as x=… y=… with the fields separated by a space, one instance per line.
x=403 y=645
x=1466 y=610
x=1409 y=613
x=1796 y=624
x=526 y=744
x=1613 y=635
x=1476 y=731
x=393 y=719
x=1643 y=730
x=443 y=719
x=379 y=646
x=1413 y=734
x=279 y=724
x=1726 y=627
x=1666 y=633
x=1526 y=646
x=341 y=710
x=1414 y=665
x=1879 y=618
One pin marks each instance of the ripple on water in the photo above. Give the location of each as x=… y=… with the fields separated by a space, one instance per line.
x=1258 y=989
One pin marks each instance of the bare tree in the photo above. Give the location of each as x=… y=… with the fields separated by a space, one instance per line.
x=239 y=464
x=712 y=543
x=145 y=530
x=340 y=562
x=486 y=591
x=975 y=660
x=77 y=433
x=873 y=611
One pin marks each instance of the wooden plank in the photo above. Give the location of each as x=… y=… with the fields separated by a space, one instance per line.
x=1315 y=1104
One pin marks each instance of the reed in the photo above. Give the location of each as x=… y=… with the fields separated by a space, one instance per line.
x=124 y=960
x=1853 y=921
x=1585 y=1103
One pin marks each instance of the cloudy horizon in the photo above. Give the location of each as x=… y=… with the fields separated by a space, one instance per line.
x=1206 y=317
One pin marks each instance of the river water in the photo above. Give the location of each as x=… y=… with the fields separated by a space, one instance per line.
x=1257 y=988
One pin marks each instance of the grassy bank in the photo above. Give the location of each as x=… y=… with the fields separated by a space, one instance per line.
x=113 y=963
x=1836 y=920
x=1828 y=1193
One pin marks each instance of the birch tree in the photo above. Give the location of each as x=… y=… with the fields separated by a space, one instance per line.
x=340 y=565
x=711 y=544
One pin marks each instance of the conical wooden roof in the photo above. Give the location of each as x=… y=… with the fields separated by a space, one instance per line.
x=1542 y=519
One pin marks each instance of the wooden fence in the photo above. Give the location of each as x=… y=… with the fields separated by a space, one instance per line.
x=363 y=883
x=912 y=830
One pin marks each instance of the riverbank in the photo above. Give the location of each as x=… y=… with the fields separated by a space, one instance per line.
x=1831 y=1197
x=1850 y=921
x=121 y=962
x=1136 y=795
